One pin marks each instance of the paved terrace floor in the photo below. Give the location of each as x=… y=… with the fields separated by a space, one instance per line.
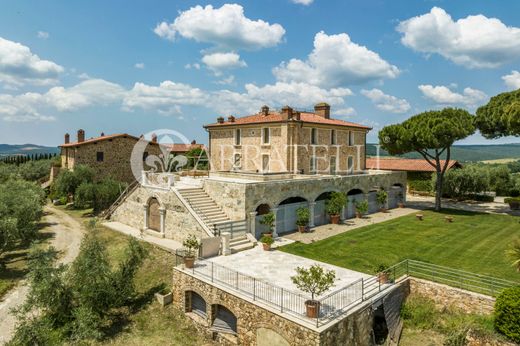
x=276 y=267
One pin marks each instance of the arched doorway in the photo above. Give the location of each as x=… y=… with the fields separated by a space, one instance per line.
x=154 y=216
x=353 y=196
x=261 y=210
x=320 y=215
x=395 y=195
x=286 y=215
x=224 y=320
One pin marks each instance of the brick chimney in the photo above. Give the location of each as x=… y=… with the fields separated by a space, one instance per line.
x=264 y=110
x=67 y=138
x=231 y=119
x=323 y=110
x=102 y=134
x=193 y=142
x=287 y=113
x=154 y=138
x=81 y=135
x=220 y=120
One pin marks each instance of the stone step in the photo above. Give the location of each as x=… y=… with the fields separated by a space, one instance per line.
x=212 y=221
x=238 y=243
x=243 y=247
x=205 y=204
x=213 y=212
x=195 y=194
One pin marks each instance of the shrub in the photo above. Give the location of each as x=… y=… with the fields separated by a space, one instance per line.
x=267 y=240
x=303 y=215
x=335 y=203
x=191 y=244
x=105 y=194
x=68 y=181
x=507 y=313
x=85 y=196
x=314 y=280
x=361 y=206
x=482 y=198
x=268 y=220
x=381 y=197
x=514 y=192
x=468 y=181
x=512 y=200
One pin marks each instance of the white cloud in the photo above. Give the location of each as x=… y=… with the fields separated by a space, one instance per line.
x=139 y=65
x=387 y=103
x=344 y=112
x=226 y=81
x=303 y=2
x=19 y=66
x=443 y=95
x=473 y=42
x=22 y=108
x=165 y=98
x=43 y=35
x=335 y=61
x=195 y=66
x=512 y=80
x=225 y=27
x=221 y=61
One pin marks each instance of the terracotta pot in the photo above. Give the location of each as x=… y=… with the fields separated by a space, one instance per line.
x=189 y=262
x=334 y=219
x=400 y=205
x=302 y=229
x=266 y=247
x=312 y=308
x=383 y=210
x=268 y=234
x=358 y=215
x=383 y=277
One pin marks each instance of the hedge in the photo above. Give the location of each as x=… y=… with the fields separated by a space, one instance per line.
x=507 y=313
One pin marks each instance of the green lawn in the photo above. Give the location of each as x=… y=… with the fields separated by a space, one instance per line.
x=474 y=242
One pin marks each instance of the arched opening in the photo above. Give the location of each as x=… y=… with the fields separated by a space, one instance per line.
x=224 y=320
x=286 y=215
x=320 y=214
x=154 y=216
x=196 y=304
x=396 y=195
x=261 y=210
x=353 y=196
x=373 y=205
x=269 y=337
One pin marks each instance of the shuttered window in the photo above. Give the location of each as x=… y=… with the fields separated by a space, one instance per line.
x=224 y=321
x=198 y=304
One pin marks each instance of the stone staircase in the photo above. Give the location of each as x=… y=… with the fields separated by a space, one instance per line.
x=211 y=214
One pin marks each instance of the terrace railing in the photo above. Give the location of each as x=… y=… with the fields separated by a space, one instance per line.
x=235 y=228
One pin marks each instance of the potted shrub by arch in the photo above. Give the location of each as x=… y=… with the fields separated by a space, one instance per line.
x=192 y=245
x=303 y=216
x=361 y=208
x=316 y=281
x=267 y=242
x=334 y=205
x=381 y=198
x=268 y=220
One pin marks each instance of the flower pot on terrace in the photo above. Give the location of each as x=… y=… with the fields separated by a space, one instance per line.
x=400 y=205
x=383 y=210
x=189 y=262
x=312 y=308
x=383 y=277
x=302 y=229
x=334 y=219
x=266 y=247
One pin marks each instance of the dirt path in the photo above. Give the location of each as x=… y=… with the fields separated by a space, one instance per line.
x=66 y=238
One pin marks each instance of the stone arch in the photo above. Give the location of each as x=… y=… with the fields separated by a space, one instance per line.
x=354 y=195
x=325 y=191
x=291 y=196
x=271 y=335
x=224 y=318
x=261 y=203
x=154 y=214
x=195 y=302
x=355 y=191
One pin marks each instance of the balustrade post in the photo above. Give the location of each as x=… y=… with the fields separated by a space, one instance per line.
x=275 y=212
x=252 y=223
x=254 y=289
x=281 y=301
x=226 y=249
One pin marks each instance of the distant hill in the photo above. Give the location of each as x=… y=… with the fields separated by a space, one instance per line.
x=465 y=153
x=26 y=149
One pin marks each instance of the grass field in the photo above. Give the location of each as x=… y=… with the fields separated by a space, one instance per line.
x=474 y=242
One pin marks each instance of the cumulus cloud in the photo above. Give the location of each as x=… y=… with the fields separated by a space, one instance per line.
x=165 y=98
x=344 y=112
x=139 y=65
x=222 y=61
x=22 y=108
x=443 y=95
x=195 y=66
x=303 y=2
x=512 y=80
x=387 y=103
x=335 y=61
x=43 y=35
x=474 y=42
x=19 y=66
x=224 y=27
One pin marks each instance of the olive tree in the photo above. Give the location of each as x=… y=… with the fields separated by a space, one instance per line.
x=431 y=134
x=500 y=116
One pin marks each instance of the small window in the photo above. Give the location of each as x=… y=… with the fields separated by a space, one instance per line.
x=237 y=162
x=237 y=137
x=313 y=136
x=145 y=155
x=350 y=138
x=332 y=137
x=99 y=156
x=313 y=165
x=266 y=132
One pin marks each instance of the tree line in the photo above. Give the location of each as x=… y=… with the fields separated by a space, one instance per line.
x=19 y=159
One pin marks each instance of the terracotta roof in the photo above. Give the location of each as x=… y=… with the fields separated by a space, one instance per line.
x=183 y=148
x=274 y=117
x=410 y=165
x=98 y=139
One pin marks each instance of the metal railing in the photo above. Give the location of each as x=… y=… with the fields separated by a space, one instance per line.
x=235 y=228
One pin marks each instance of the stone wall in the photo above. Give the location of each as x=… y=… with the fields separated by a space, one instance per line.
x=446 y=296
x=179 y=223
x=229 y=196
x=254 y=320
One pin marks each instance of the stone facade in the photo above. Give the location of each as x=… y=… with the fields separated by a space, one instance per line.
x=254 y=321
x=115 y=158
x=446 y=296
x=177 y=221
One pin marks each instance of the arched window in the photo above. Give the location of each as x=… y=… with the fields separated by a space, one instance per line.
x=196 y=304
x=224 y=320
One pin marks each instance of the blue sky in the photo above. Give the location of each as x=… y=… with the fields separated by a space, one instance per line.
x=133 y=67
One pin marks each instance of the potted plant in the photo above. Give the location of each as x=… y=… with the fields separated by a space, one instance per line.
x=267 y=241
x=334 y=204
x=382 y=273
x=191 y=244
x=303 y=216
x=381 y=198
x=400 y=204
x=316 y=281
x=514 y=202
x=268 y=220
x=361 y=208
x=164 y=297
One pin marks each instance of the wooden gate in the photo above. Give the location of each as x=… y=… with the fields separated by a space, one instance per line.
x=154 y=216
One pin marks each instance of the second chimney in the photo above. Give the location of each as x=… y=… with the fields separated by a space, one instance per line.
x=323 y=110
x=67 y=138
x=81 y=135
x=287 y=112
x=264 y=110
x=154 y=138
